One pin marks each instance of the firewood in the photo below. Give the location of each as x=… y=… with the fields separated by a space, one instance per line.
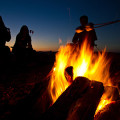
x=109 y=112
x=84 y=108
x=69 y=74
x=78 y=101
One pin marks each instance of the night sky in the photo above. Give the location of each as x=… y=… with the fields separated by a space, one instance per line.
x=56 y=20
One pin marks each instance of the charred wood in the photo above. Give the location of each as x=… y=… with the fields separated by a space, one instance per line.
x=109 y=112
x=69 y=74
x=78 y=101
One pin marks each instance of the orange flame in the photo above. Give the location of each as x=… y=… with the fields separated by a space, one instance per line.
x=85 y=63
x=106 y=99
x=103 y=102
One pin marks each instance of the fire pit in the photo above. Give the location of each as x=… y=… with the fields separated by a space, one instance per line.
x=80 y=85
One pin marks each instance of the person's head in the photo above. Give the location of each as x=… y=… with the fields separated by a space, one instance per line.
x=84 y=20
x=24 y=30
x=1 y=22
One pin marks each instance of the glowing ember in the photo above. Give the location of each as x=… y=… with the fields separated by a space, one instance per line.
x=85 y=63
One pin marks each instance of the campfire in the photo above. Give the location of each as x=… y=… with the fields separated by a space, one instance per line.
x=81 y=67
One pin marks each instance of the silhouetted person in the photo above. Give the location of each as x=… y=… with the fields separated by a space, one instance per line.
x=23 y=46
x=85 y=31
x=5 y=36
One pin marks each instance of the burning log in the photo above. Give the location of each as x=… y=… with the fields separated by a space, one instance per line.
x=78 y=101
x=69 y=74
x=110 y=94
x=109 y=112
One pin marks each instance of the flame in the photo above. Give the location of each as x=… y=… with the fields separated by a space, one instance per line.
x=106 y=99
x=85 y=63
x=103 y=102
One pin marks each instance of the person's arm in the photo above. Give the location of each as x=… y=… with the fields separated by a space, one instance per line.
x=89 y=27
x=78 y=31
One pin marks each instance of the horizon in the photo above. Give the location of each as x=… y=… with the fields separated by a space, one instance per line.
x=52 y=21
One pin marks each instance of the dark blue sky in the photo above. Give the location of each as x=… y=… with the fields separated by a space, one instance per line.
x=52 y=20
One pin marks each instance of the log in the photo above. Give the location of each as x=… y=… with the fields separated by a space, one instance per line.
x=78 y=101
x=109 y=112
x=69 y=74
x=84 y=108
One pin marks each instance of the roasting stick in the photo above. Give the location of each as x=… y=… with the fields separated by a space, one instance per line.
x=104 y=24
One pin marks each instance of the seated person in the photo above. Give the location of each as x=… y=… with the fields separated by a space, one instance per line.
x=23 y=41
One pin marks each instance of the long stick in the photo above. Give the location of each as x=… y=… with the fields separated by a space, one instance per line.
x=104 y=24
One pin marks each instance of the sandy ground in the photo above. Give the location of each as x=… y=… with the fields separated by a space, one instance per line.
x=17 y=80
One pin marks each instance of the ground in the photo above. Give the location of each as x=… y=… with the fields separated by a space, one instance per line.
x=17 y=80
